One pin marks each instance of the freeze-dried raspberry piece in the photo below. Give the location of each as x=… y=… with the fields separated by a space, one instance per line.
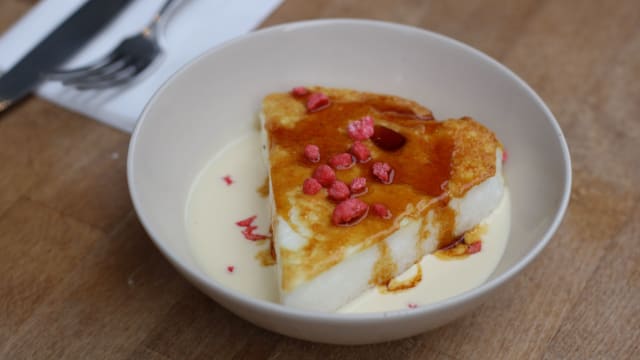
x=475 y=247
x=299 y=91
x=246 y=222
x=383 y=172
x=412 y=305
x=361 y=129
x=339 y=191
x=227 y=179
x=317 y=101
x=349 y=212
x=311 y=186
x=249 y=235
x=358 y=186
x=312 y=153
x=360 y=151
x=230 y=268
x=342 y=161
x=381 y=211
x=249 y=228
x=325 y=175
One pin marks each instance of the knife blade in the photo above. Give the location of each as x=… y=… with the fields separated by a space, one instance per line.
x=57 y=47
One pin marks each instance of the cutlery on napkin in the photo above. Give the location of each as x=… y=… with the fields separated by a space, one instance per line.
x=194 y=27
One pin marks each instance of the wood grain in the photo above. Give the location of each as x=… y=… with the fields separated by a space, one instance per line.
x=79 y=277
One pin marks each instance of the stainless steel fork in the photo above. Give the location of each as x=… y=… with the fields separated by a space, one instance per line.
x=122 y=64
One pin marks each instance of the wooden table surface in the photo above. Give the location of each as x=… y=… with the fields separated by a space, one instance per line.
x=80 y=279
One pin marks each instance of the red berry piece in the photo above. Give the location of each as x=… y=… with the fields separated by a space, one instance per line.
x=360 y=151
x=311 y=186
x=249 y=235
x=361 y=129
x=342 y=161
x=358 y=186
x=381 y=211
x=299 y=91
x=349 y=212
x=325 y=175
x=312 y=153
x=339 y=191
x=246 y=222
x=505 y=156
x=227 y=179
x=317 y=101
x=230 y=268
x=475 y=247
x=383 y=172
x=249 y=228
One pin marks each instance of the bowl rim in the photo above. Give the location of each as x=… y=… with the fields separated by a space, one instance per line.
x=285 y=311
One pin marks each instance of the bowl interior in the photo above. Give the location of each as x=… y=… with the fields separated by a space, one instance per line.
x=216 y=98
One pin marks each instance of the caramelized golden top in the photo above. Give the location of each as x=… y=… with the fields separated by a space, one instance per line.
x=438 y=160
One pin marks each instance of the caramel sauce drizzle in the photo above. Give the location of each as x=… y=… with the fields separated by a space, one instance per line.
x=266 y=257
x=406 y=284
x=458 y=248
x=263 y=190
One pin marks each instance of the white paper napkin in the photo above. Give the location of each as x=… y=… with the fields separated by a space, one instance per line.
x=192 y=28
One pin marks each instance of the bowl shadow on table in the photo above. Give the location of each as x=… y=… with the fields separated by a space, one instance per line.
x=195 y=326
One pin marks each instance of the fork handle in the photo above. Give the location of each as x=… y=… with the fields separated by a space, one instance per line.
x=152 y=28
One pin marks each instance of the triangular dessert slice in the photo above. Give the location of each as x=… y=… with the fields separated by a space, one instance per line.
x=363 y=185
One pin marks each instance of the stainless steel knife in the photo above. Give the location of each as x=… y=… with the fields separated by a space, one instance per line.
x=56 y=48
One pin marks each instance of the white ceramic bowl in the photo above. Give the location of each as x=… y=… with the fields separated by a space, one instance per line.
x=215 y=99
